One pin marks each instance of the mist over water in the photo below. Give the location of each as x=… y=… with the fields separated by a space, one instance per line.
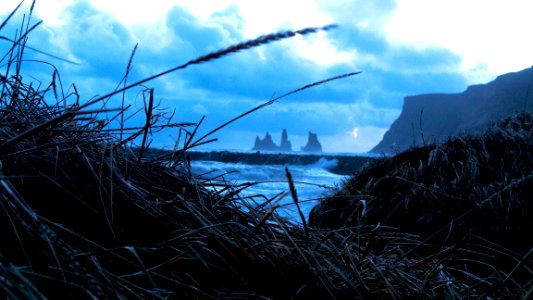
x=312 y=182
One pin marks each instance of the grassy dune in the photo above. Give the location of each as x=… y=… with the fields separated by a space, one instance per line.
x=472 y=196
x=83 y=216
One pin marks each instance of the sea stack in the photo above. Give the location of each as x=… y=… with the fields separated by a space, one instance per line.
x=266 y=143
x=285 y=144
x=313 y=145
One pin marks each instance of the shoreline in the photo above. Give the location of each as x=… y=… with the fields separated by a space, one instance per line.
x=345 y=165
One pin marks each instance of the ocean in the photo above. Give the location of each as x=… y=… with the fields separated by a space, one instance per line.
x=312 y=181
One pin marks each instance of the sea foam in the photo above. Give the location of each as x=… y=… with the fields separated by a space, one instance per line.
x=312 y=182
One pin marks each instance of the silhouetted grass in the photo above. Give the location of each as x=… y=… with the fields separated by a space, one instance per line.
x=473 y=193
x=84 y=215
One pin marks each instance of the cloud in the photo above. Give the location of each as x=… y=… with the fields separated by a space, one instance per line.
x=486 y=34
x=346 y=143
x=225 y=88
x=369 y=15
x=200 y=109
x=97 y=40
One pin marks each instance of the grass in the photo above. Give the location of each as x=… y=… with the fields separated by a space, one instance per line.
x=473 y=192
x=85 y=215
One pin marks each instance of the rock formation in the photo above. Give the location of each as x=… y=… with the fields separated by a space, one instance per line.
x=285 y=144
x=265 y=144
x=435 y=117
x=313 y=145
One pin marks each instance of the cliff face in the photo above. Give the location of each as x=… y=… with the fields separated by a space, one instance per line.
x=435 y=117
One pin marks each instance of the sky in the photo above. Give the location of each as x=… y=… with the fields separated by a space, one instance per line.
x=402 y=48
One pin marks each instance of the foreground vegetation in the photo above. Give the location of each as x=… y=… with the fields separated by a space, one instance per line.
x=471 y=197
x=82 y=215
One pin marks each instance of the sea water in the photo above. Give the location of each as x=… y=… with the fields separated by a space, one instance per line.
x=313 y=182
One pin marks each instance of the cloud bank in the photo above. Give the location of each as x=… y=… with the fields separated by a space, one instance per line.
x=102 y=41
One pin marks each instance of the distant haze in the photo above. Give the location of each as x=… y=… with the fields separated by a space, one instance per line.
x=402 y=47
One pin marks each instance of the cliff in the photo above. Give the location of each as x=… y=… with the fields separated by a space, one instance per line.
x=435 y=117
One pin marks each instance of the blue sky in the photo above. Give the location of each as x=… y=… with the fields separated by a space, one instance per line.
x=403 y=47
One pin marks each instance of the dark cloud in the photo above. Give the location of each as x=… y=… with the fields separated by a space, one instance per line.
x=97 y=40
x=189 y=31
x=33 y=66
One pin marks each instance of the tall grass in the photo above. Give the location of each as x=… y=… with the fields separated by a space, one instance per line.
x=84 y=215
x=472 y=193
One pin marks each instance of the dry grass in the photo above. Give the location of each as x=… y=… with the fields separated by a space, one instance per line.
x=84 y=216
x=473 y=192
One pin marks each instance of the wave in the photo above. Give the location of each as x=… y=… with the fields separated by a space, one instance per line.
x=326 y=164
x=312 y=182
x=246 y=172
x=301 y=153
x=342 y=165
